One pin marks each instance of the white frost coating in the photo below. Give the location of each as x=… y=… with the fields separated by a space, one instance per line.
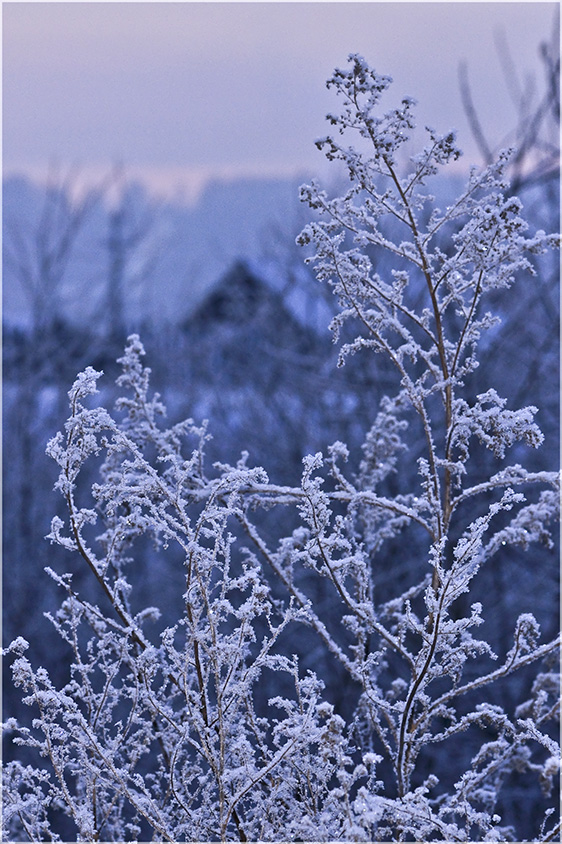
x=211 y=728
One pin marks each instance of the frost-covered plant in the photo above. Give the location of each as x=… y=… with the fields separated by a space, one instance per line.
x=210 y=729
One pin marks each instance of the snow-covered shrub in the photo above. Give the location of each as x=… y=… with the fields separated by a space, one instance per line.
x=210 y=729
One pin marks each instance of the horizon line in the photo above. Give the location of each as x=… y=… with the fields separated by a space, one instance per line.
x=182 y=184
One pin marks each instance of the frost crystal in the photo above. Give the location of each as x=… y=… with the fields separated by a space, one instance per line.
x=226 y=723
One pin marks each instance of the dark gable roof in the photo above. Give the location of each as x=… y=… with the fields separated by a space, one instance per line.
x=241 y=300
x=238 y=296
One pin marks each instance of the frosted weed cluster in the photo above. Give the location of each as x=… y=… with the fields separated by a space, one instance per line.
x=171 y=737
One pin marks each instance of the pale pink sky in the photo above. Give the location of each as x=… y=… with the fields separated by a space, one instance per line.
x=190 y=90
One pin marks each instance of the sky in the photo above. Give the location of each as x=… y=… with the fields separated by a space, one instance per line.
x=179 y=93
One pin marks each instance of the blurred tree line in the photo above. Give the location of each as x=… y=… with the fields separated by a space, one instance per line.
x=254 y=357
